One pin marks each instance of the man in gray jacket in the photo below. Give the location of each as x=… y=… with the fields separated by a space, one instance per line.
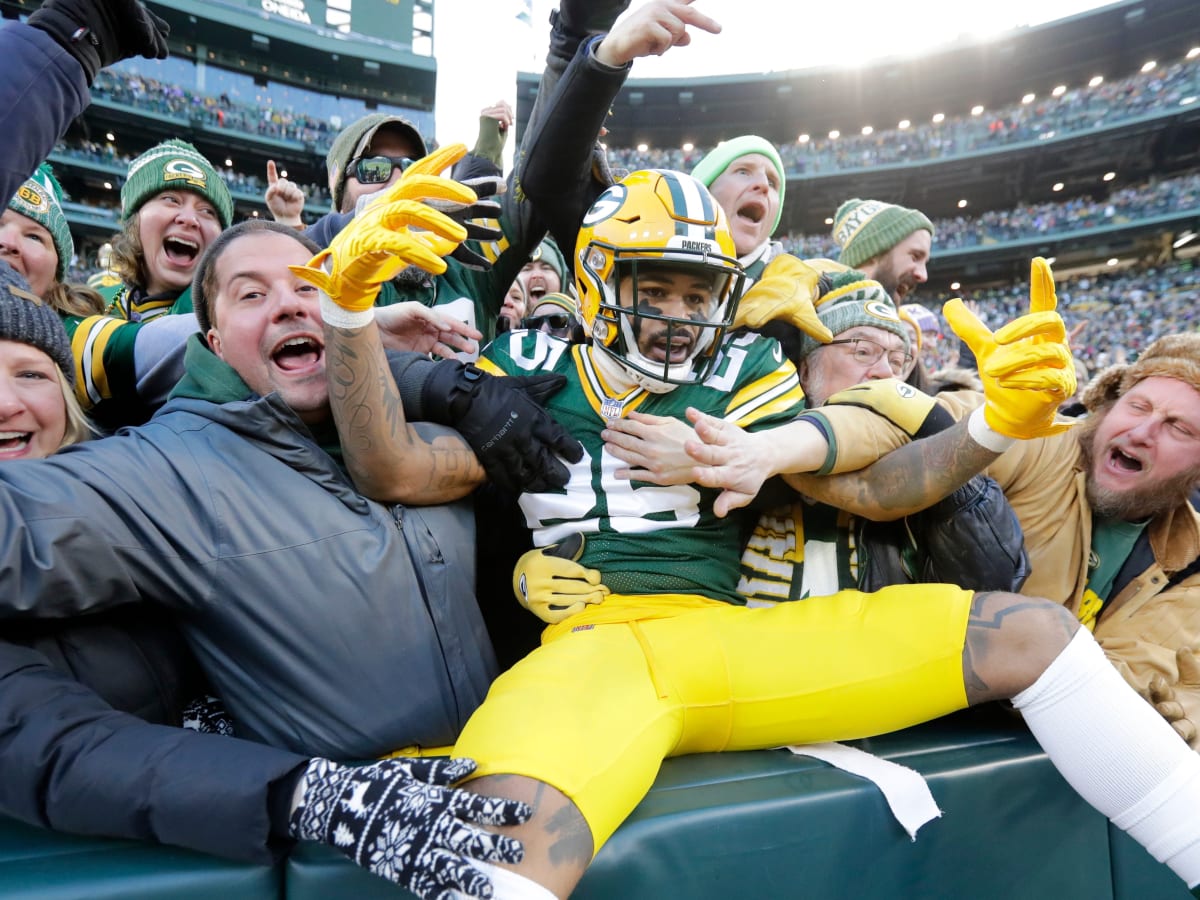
x=333 y=626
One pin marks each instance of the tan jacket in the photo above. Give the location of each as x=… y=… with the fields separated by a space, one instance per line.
x=1149 y=618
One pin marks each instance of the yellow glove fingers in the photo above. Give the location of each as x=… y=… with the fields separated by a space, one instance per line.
x=967 y=326
x=399 y=249
x=435 y=162
x=410 y=214
x=1058 y=382
x=1045 y=325
x=431 y=187
x=314 y=276
x=1008 y=361
x=810 y=323
x=571 y=573
x=1042 y=297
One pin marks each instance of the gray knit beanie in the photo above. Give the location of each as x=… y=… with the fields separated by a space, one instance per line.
x=853 y=300
x=26 y=318
x=866 y=228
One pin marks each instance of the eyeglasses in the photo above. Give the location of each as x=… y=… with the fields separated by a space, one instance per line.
x=866 y=353
x=558 y=322
x=378 y=169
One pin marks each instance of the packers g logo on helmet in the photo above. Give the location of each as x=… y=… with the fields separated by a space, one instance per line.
x=670 y=220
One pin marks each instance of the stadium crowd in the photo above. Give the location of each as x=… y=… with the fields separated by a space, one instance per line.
x=1076 y=111
x=244 y=468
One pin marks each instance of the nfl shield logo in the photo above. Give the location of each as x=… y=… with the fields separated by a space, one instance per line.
x=611 y=409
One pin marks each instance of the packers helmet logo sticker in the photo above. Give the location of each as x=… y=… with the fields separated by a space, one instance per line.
x=881 y=310
x=185 y=170
x=907 y=391
x=34 y=197
x=606 y=205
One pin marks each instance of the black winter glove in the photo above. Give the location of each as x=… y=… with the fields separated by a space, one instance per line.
x=400 y=820
x=576 y=20
x=502 y=419
x=99 y=33
x=469 y=216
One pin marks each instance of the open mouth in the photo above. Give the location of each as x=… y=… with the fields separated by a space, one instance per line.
x=14 y=441
x=297 y=353
x=537 y=290
x=180 y=251
x=674 y=351
x=752 y=211
x=1123 y=461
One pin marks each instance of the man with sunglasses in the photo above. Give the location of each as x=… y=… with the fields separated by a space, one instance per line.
x=370 y=154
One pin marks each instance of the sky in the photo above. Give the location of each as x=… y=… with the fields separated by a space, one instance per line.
x=480 y=45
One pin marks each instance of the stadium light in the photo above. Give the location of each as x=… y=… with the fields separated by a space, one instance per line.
x=962 y=204
x=688 y=147
x=283 y=173
x=1188 y=101
x=229 y=162
x=254 y=212
x=804 y=138
x=642 y=148
x=1193 y=53
x=1059 y=90
x=1149 y=65
x=1058 y=186
x=954 y=286
x=109 y=136
x=1186 y=238
x=977 y=109
x=1096 y=81
x=904 y=123
x=1029 y=98
x=108 y=185
x=1112 y=261
x=829 y=220
x=834 y=135
x=867 y=130
x=938 y=118
x=1109 y=176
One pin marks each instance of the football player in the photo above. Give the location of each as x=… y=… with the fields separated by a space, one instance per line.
x=671 y=662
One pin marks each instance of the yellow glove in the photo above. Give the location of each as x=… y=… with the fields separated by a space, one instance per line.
x=910 y=410
x=1165 y=701
x=1025 y=366
x=786 y=291
x=551 y=584
x=392 y=233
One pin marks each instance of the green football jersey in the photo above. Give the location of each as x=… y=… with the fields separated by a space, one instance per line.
x=646 y=538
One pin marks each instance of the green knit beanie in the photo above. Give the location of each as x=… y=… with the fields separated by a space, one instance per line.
x=866 y=228
x=174 y=165
x=353 y=140
x=717 y=160
x=40 y=199
x=547 y=251
x=850 y=301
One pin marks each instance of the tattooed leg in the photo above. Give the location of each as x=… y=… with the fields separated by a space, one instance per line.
x=1010 y=640
x=557 y=840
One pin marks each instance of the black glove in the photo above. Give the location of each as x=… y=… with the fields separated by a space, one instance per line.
x=400 y=820
x=502 y=419
x=99 y=33
x=468 y=215
x=575 y=20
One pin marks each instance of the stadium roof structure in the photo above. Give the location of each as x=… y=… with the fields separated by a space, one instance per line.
x=1114 y=40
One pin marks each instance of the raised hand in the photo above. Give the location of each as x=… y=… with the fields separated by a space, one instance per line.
x=1026 y=365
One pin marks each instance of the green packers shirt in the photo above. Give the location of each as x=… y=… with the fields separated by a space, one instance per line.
x=646 y=538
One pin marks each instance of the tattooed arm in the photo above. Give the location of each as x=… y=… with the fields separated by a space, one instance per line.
x=907 y=480
x=389 y=458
